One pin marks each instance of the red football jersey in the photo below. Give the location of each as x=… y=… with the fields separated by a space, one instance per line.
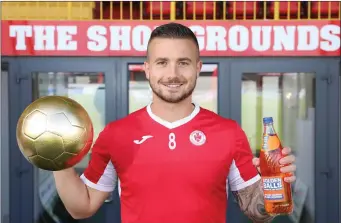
x=172 y=172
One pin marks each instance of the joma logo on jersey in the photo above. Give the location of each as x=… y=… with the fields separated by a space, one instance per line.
x=144 y=138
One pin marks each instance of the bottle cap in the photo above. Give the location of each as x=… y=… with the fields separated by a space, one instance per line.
x=267 y=120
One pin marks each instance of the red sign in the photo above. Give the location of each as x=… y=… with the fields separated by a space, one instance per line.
x=130 y=38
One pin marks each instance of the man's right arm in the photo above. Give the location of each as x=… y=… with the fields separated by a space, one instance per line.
x=83 y=196
x=80 y=200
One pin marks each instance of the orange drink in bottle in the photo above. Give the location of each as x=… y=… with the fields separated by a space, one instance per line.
x=277 y=192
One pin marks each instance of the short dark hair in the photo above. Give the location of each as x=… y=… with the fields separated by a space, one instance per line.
x=174 y=30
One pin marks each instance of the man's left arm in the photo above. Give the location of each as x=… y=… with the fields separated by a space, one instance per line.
x=245 y=181
x=251 y=202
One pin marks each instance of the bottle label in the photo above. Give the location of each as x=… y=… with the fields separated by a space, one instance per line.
x=273 y=188
x=270 y=142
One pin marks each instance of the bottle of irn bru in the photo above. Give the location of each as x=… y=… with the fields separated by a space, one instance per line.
x=277 y=193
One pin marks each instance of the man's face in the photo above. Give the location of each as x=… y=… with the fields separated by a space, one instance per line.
x=172 y=68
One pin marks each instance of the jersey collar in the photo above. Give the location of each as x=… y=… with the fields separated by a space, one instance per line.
x=172 y=125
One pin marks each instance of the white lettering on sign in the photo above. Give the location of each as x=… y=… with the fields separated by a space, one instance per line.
x=97 y=40
x=239 y=38
x=283 y=38
x=308 y=38
x=216 y=38
x=261 y=39
x=120 y=38
x=141 y=36
x=64 y=35
x=330 y=38
x=211 y=38
x=20 y=33
x=44 y=37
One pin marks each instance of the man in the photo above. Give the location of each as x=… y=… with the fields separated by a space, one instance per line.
x=175 y=160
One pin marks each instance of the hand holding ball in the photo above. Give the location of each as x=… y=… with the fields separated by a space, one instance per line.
x=54 y=133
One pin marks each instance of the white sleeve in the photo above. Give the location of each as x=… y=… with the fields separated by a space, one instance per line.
x=242 y=171
x=105 y=182
x=242 y=177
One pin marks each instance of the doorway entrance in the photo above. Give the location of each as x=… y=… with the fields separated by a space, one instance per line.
x=302 y=96
x=89 y=81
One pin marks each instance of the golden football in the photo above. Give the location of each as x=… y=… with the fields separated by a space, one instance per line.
x=54 y=133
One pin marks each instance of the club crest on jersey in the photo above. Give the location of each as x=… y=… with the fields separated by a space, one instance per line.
x=197 y=137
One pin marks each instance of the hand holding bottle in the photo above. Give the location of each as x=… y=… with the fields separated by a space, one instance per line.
x=288 y=161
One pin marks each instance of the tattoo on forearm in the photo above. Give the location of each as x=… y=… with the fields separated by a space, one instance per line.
x=251 y=202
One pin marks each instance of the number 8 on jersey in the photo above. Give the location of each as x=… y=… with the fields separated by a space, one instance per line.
x=172 y=142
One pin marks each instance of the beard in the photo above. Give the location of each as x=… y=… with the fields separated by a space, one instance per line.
x=173 y=97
